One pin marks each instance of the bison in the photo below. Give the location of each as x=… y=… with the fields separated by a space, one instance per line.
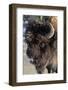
x=41 y=39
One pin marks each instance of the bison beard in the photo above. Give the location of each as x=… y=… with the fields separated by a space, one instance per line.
x=41 y=39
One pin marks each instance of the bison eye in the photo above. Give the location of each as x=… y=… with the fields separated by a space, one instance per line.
x=42 y=45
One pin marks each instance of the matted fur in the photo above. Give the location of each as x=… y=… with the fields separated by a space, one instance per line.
x=40 y=48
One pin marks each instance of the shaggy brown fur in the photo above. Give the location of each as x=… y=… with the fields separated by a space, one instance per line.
x=41 y=49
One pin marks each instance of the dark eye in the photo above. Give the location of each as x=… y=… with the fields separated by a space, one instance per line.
x=36 y=41
x=42 y=45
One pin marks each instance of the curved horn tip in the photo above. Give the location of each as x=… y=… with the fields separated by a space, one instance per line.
x=50 y=35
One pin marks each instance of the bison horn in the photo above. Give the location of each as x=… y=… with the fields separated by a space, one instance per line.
x=51 y=33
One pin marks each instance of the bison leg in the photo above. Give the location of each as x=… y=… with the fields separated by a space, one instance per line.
x=49 y=68
x=54 y=69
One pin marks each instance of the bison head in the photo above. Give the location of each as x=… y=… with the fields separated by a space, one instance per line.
x=38 y=37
